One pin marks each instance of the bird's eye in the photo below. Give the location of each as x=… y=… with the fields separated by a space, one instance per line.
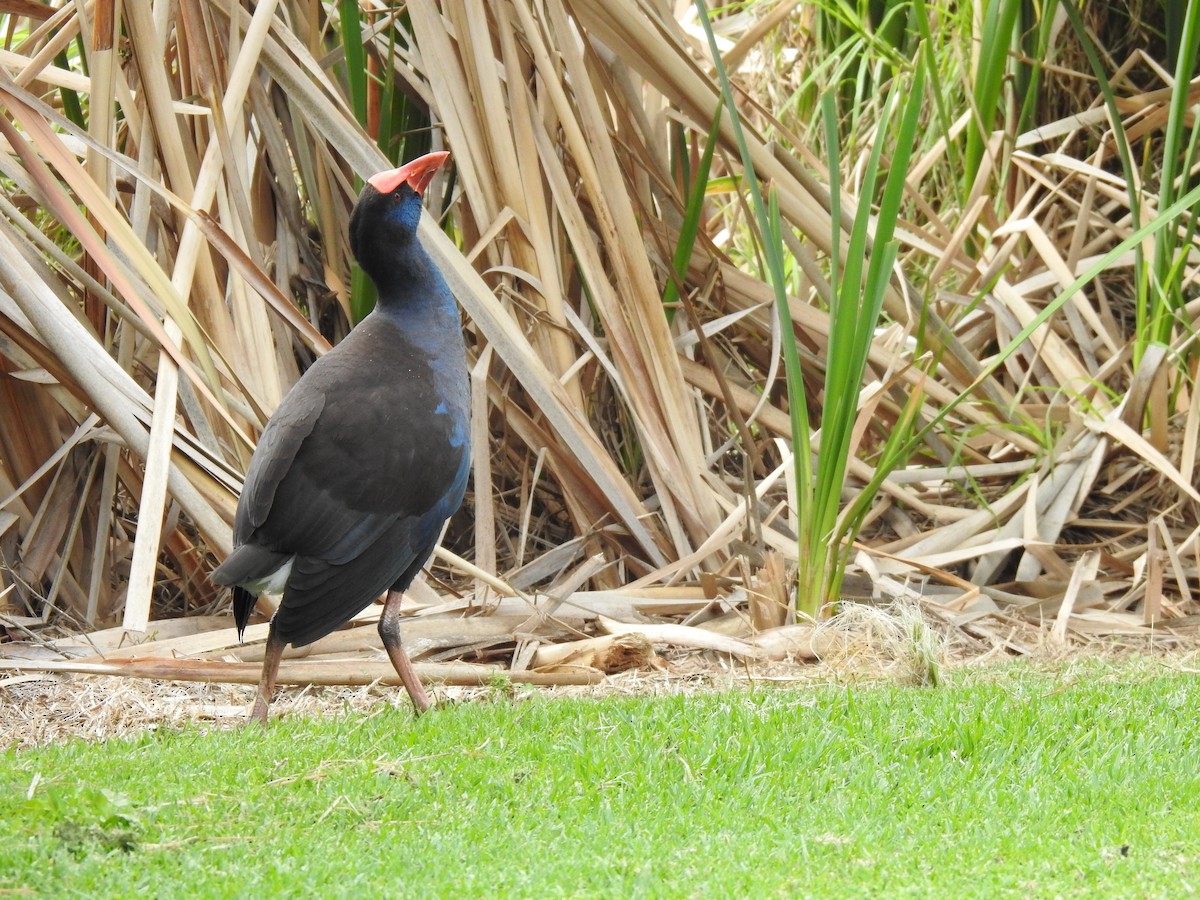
x=396 y=197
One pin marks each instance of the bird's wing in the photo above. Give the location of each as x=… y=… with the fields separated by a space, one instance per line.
x=341 y=461
x=276 y=451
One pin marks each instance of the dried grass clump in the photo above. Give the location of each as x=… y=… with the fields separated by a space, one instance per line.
x=896 y=642
x=52 y=710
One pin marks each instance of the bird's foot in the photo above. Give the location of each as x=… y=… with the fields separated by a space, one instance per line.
x=420 y=700
x=258 y=715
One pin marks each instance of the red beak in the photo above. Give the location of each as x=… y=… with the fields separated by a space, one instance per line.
x=418 y=173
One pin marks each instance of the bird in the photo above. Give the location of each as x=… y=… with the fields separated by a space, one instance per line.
x=368 y=454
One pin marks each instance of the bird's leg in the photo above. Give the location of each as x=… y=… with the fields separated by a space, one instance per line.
x=389 y=631
x=266 y=684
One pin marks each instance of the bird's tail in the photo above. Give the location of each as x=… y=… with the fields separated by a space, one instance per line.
x=243 y=605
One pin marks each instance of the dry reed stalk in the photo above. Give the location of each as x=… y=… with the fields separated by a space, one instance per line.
x=323 y=672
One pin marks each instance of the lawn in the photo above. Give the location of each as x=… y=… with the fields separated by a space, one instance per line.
x=1013 y=781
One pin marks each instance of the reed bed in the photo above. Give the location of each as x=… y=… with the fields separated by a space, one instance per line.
x=175 y=184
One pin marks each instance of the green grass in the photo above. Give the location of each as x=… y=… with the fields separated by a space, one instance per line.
x=1007 y=784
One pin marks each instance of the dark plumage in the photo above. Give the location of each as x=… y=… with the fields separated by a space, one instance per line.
x=367 y=456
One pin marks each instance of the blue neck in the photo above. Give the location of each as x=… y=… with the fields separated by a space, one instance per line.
x=414 y=295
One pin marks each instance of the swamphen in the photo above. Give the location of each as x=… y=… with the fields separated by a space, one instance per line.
x=367 y=456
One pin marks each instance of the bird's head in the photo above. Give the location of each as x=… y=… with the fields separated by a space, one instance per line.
x=389 y=208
